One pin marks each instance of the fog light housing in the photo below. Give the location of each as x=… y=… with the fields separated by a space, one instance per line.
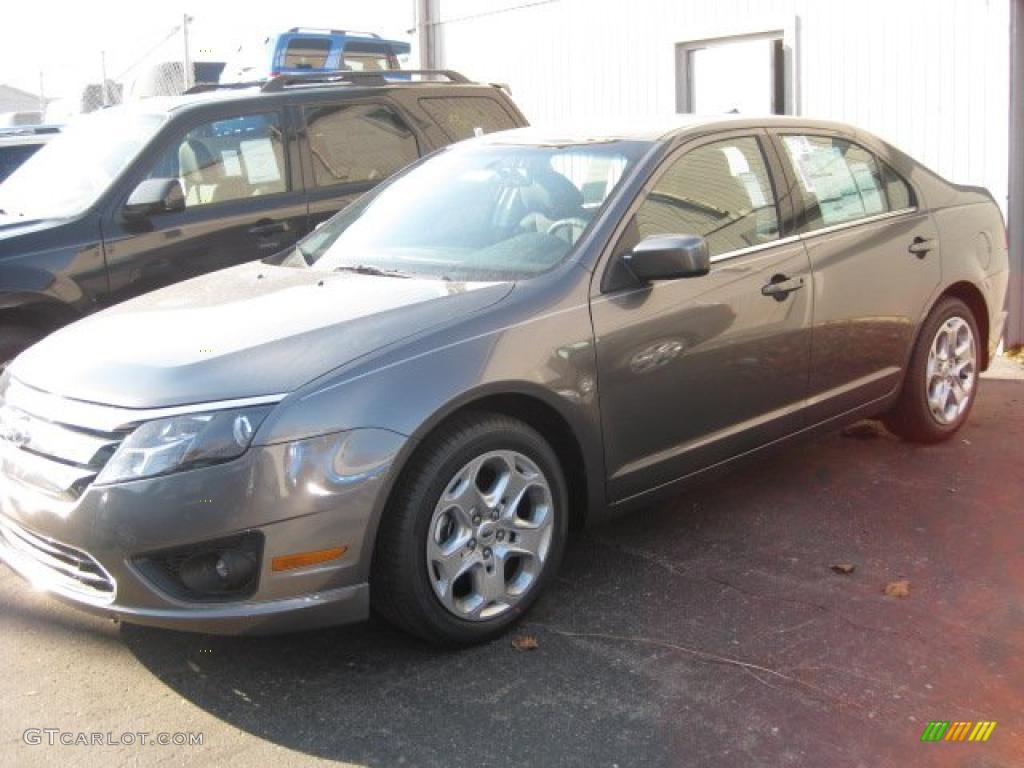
x=212 y=571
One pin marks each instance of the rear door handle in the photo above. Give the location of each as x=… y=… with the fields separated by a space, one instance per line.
x=920 y=246
x=266 y=228
x=781 y=286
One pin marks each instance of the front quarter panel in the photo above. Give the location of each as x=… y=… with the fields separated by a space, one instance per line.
x=537 y=343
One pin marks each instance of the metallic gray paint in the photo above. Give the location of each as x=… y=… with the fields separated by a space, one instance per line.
x=656 y=384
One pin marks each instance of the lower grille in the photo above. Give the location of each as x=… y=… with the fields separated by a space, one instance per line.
x=71 y=568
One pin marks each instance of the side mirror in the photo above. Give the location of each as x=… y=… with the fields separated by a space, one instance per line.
x=154 y=196
x=669 y=257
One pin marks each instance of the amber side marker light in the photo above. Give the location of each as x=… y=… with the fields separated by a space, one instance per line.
x=304 y=559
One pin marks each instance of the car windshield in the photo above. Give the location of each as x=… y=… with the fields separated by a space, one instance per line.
x=70 y=173
x=475 y=212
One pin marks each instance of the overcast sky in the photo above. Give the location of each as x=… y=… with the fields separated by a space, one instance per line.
x=63 y=38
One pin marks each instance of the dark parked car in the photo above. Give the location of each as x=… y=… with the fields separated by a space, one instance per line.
x=136 y=197
x=19 y=144
x=527 y=331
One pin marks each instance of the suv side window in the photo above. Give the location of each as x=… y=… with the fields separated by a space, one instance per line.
x=228 y=159
x=721 y=191
x=841 y=181
x=461 y=117
x=353 y=143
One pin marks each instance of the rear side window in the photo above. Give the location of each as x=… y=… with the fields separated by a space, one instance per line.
x=462 y=117
x=307 y=53
x=841 y=181
x=721 y=191
x=355 y=143
x=899 y=193
x=367 y=57
x=226 y=160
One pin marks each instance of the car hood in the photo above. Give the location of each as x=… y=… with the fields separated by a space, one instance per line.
x=243 y=332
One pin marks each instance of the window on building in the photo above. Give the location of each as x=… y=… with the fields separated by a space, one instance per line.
x=463 y=117
x=745 y=74
x=840 y=181
x=355 y=143
x=721 y=191
x=228 y=160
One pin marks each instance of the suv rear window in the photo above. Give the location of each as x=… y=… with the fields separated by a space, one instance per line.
x=355 y=143
x=307 y=53
x=462 y=117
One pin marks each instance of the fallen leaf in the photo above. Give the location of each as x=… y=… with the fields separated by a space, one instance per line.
x=864 y=430
x=844 y=568
x=899 y=588
x=524 y=643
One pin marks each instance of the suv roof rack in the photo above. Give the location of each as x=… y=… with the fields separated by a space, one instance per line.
x=321 y=31
x=205 y=87
x=379 y=77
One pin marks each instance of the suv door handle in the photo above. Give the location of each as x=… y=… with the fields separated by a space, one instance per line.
x=781 y=286
x=920 y=246
x=267 y=227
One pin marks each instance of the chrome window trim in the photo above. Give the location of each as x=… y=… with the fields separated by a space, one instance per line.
x=81 y=414
x=754 y=248
x=813 y=233
x=858 y=222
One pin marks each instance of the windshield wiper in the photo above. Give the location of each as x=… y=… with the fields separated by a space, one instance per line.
x=364 y=269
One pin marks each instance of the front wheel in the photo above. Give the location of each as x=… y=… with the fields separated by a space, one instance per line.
x=941 y=382
x=473 y=534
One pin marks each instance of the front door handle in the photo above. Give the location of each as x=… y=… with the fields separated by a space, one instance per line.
x=267 y=227
x=781 y=286
x=920 y=246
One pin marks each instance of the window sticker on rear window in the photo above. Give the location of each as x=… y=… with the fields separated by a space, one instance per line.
x=232 y=166
x=260 y=161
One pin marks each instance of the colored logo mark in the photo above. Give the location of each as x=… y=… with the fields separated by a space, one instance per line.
x=944 y=730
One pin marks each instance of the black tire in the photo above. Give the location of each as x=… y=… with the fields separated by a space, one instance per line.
x=14 y=340
x=912 y=418
x=400 y=587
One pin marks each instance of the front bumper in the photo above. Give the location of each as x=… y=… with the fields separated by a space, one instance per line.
x=303 y=496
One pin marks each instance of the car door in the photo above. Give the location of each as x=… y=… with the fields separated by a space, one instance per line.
x=348 y=148
x=694 y=371
x=874 y=254
x=241 y=204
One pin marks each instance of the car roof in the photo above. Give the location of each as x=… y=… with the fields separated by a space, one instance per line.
x=227 y=94
x=655 y=129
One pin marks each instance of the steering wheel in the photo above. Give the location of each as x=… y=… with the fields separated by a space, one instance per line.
x=568 y=224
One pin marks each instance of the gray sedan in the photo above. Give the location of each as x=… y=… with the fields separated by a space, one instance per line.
x=519 y=335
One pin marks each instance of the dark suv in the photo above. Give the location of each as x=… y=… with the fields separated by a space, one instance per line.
x=139 y=196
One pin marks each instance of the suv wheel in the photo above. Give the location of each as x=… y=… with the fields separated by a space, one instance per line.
x=13 y=341
x=941 y=383
x=474 y=533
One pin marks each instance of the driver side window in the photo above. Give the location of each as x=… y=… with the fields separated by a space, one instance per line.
x=227 y=160
x=721 y=191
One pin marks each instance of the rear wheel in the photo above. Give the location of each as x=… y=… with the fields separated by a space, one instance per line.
x=941 y=383
x=474 y=533
x=14 y=340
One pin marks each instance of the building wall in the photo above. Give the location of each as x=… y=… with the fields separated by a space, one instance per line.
x=932 y=76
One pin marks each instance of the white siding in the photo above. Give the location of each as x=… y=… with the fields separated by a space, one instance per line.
x=932 y=76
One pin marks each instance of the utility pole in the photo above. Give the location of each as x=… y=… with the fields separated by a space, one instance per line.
x=187 y=61
x=103 y=80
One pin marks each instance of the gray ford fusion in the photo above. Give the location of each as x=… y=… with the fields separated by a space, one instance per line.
x=521 y=334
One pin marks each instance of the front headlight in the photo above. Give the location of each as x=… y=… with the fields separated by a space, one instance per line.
x=183 y=442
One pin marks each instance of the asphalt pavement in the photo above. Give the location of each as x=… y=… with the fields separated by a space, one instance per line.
x=710 y=631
